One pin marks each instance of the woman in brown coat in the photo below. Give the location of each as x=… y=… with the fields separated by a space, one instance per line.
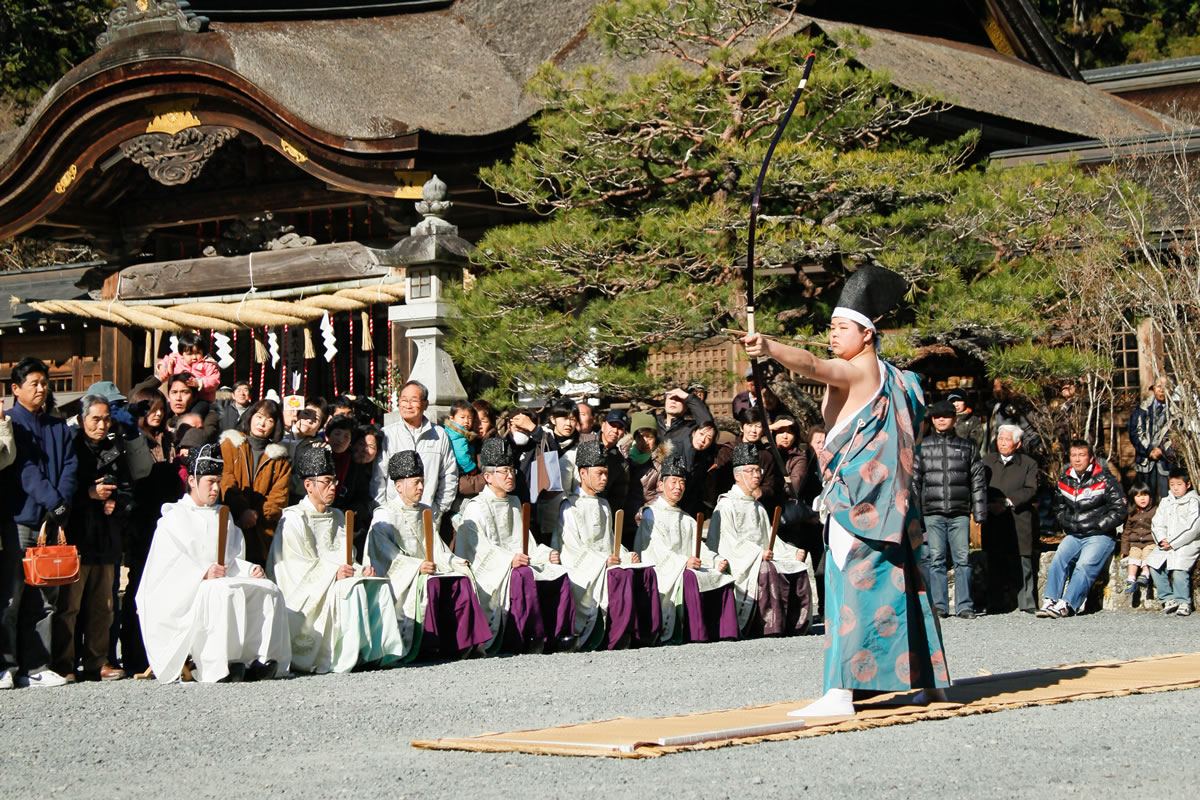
x=255 y=481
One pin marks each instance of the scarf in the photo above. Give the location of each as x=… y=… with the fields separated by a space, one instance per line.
x=638 y=457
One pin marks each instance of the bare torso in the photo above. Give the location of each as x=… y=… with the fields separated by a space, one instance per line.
x=842 y=401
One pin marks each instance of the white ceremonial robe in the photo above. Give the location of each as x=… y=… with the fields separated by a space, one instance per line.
x=395 y=548
x=489 y=537
x=740 y=531
x=235 y=619
x=335 y=624
x=584 y=539
x=666 y=539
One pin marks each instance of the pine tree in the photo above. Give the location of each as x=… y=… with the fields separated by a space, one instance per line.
x=644 y=185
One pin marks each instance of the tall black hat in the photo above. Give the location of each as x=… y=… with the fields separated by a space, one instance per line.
x=745 y=454
x=314 y=461
x=405 y=464
x=674 y=466
x=496 y=452
x=206 y=460
x=590 y=454
x=870 y=293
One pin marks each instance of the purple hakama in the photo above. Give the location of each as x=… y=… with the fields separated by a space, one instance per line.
x=537 y=609
x=454 y=620
x=709 y=616
x=634 y=610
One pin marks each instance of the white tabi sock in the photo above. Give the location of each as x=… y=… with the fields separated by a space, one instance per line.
x=835 y=703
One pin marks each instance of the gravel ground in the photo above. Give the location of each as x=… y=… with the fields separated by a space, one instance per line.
x=348 y=735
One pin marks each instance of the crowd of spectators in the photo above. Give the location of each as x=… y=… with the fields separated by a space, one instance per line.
x=102 y=475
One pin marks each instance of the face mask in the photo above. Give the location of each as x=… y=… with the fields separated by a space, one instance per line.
x=520 y=438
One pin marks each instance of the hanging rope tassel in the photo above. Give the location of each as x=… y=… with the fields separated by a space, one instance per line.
x=371 y=329
x=260 y=350
x=367 y=344
x=148 y=361
x=309 y=350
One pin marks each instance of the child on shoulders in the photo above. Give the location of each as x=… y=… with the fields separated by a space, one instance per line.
x=192 y=360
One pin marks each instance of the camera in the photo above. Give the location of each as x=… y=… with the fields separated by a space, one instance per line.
x=112 y=472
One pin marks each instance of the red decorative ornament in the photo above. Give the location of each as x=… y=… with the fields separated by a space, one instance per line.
x=371 y=333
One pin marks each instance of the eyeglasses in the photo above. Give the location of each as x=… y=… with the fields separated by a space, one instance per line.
x=505 y=471
x=325 y=483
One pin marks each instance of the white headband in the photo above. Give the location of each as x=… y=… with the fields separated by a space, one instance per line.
x=853 y=316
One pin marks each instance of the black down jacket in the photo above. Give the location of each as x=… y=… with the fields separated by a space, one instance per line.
x=1090 y=505
x=950 y=477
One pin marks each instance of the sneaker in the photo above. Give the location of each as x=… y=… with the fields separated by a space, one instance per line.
x=47 y=677
x=1047 y=609
x=1063 y=610
x=8 y=678
x=967 y=615
x=1185 y=609
x=1130 y=585
x=1143 y=581
x=1170 y=607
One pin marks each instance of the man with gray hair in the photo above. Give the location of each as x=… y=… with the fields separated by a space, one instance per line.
x=100 y=512
x=1008 y=533
x=414 y=431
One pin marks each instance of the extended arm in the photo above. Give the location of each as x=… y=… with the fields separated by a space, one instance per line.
x=833 y=372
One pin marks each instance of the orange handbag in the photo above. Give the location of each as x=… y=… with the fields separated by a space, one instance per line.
x=51 y=565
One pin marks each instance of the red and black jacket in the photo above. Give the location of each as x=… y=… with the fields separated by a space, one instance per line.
x=1090 y=505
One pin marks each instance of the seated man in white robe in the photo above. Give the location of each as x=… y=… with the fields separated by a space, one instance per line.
x=341 y=615
x=523 y=588
x=772 y=593
x=616 y=596
x=436 y=600
x=222 y=612
x=696 y=593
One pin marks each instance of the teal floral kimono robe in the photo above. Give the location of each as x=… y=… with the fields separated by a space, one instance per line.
x=880 y=631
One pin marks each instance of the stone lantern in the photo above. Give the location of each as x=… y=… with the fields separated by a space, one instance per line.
x=434 y=256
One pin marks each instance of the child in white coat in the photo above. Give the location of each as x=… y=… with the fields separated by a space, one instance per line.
x=1176 y=529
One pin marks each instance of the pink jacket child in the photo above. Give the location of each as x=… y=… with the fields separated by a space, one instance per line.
x=192 y=360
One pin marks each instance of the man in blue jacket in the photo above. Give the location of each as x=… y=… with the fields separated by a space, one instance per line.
x=40 y=485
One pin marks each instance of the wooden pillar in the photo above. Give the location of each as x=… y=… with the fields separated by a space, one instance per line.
x=1150 y=355
x=116 y=347
x=116 y=357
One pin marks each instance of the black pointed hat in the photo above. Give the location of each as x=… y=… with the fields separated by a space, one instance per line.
x=870 y=293
x=674 y=466
x=745 y=454
x=405 y=464
x=496 y=452
x=206 y=460
x=314 y=461
x=590 y=454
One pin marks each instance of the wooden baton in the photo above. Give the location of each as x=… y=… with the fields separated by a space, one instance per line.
x=774 y=527
x=427 y=519
x=699 y=532
x=618 y=529
x=525 y=529
x=350 y=538
x=222 y=533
